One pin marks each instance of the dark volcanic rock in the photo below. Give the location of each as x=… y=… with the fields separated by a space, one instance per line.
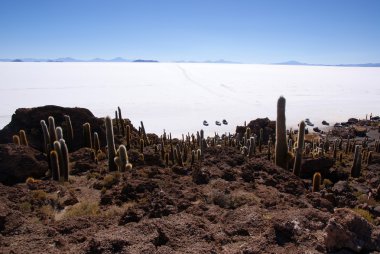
x=268 y=126
x=348 y=230
x=17 y=163
x=28 y=119
x=311 y=166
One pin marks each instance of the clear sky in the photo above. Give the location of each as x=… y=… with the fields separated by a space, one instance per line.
x=249 y=31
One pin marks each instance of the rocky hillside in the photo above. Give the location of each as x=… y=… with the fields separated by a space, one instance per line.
x=221 y=194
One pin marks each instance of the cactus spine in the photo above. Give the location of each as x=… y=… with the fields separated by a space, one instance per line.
x=317 y=182
x=23 y=140
x=281 y=146
x=299 y=150
x=87 y=135
x=356 y=166
x=110 y=144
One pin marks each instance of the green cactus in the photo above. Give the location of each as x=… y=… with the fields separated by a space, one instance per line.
x=16 y=140
x=121 y=159
x=54 y=162
x=299 y=150
x=281 y=147
x=269 y=154
x=317 y=179
x=110 y=144
x=87 y=135
x=356 y=165
x=23 y=139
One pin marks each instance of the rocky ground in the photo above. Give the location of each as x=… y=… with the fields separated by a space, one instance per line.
x=225 y=203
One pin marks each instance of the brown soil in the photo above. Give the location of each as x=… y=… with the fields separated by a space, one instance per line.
x=226 y=203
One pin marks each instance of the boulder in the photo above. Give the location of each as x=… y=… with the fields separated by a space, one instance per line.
x=17 y=163
x=348 y=230
x=360 y=131
x=311 y=166
x=268 y=126
x=28 y=119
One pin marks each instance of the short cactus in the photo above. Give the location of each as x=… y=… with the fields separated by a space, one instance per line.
x=23 y=139
x=317 y=182
x=121 y=159
x=281 y=147
x=16 y=140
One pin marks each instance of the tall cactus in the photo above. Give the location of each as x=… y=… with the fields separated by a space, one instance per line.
x=46 y=134
x=298 y=159
x=96 y=142
x=110 y=144
x=66 y=161
x=52 y=133
x=69 y=131
x=87 y=135
x=122 y=124
x=57 y=149
x=281 y=146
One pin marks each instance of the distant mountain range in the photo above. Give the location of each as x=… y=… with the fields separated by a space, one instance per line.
x=120 y=60
x=70 y=60
x=342 y=65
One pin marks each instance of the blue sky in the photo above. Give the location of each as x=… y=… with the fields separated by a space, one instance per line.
x=249 y=31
